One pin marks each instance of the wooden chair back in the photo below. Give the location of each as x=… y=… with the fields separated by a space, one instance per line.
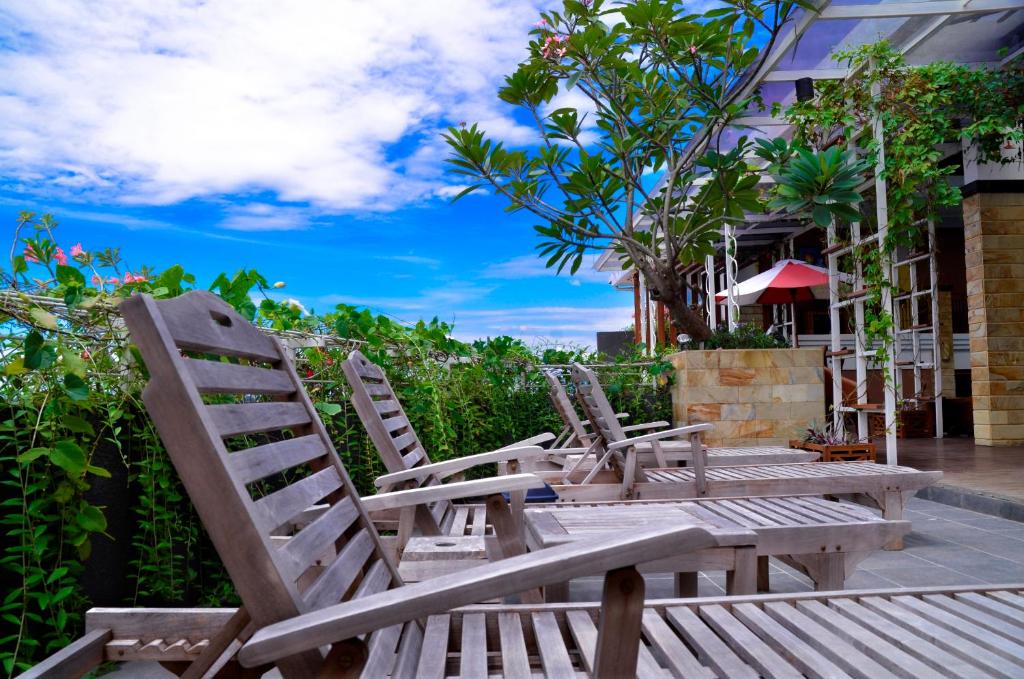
x=596 y=405
x=565 y=409
x=215 y=383
x=392 y=433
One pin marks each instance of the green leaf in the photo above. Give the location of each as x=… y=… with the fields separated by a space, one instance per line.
x=38 y=354
x=43 y=318
x=822 y=215
x=78 y=425
x=69 y=457
x=98 y=471
x=33 y=454
x=329 y=409
x=91 y=518
x=69 y=275
x=75 y=387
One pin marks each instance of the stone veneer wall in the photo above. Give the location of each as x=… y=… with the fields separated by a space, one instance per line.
x=752 y=396
x=994 y=242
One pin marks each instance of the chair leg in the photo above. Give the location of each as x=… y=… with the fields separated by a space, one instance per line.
x=686 y=584
x=763 y=580
x=618 y=633
x=510 y=539
x=743 y=578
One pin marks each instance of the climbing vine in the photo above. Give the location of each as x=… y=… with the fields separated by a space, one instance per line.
x=919 y=109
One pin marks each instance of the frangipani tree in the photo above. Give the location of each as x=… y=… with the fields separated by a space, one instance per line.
x=643 y=170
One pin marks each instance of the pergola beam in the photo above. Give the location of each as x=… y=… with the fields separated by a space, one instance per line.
x=912 y=9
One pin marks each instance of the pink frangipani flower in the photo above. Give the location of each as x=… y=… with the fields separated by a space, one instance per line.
x=76 y=250
x=114 y=280
x=96 y=280
x=61 y=258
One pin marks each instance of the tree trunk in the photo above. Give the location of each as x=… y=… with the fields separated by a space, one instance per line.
x=672 y=291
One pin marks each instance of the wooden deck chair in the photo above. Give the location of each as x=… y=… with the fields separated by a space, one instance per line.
x=797 y=530
x=660 y=453
x=400 y=449
x=327 y=600
x=886 y=486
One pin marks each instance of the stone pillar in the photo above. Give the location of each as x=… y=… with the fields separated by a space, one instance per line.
x=994 y=245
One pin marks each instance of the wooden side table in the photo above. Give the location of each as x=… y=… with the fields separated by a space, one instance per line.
x=847 y=452
x=550 y=526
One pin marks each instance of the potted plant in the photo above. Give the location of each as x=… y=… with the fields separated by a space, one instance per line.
x=834 y=445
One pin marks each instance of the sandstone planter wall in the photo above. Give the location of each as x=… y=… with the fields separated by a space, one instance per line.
x=752 y=396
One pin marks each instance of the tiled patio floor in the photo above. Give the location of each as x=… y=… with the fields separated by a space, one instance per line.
x=991 y=470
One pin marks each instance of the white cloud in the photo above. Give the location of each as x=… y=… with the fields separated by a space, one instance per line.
x=532 y=266
x=264 y=217
x=565 y=325
x=159 y=101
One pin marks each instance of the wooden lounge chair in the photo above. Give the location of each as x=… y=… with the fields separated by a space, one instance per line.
x=825 y=540
x=656 y=453
x=886 y=486
x=327 y=601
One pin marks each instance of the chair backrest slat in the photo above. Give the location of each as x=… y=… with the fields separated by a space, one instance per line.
x=272 y=458
x=389 y=428
x=253 y=455
x=214 y=377
x=235 y=419
x=564 y=408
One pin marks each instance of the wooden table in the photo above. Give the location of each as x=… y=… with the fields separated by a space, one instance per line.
x=550 y=526
x=826 y=540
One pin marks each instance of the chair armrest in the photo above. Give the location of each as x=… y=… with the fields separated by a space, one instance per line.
x=658 y=435
x=507 y=576
x=620 y=416
x=660 y=424
x=449 y=467
x=532 y=441
x=451 y=491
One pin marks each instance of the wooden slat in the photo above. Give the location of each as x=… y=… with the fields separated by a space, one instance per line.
x=387 y=406
x=672 y=652
x=303 y=549
x=413 y=458
x=479 y=521
x=838 y=649
x=249 y=418
x=200 y=321
x=955 y=643
x=409 y=649
x=553 y=654
x=376 y=580
x=403 y=441
x=900 y=635
x=374 y=389
x=214 y=377
x=999 y=604
x=515 y=661
x=269 y=459
x=279 y=507
x=382 y=646
x=393 y=424
x=458 y=526
x=473 y=651
x=804 y=656
x=711 y=650
x=74 y=660
x=746 y=644
x=368 y=369
x=434 y=654
x=584 y=633
x=336 y=579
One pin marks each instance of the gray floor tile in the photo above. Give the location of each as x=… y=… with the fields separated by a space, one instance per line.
x=926 y=576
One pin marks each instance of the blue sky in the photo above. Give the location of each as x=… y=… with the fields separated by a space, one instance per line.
x=302 y=140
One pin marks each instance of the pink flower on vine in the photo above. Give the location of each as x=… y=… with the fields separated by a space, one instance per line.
x=30 y=254
x=543 y=23
x=114 y=280
x=76 y=250
x=96 y=280
x=61 y=258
